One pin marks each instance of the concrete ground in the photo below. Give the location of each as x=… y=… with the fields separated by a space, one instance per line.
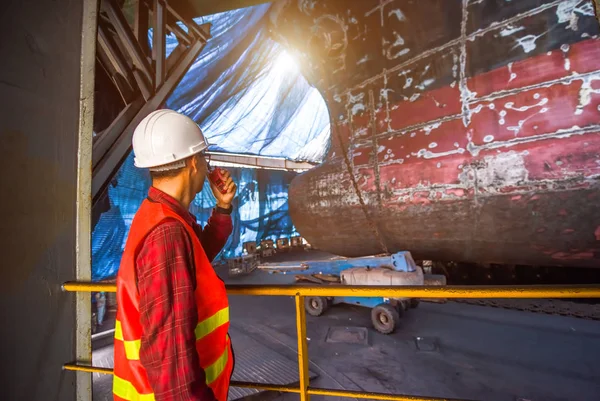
x=441 y=350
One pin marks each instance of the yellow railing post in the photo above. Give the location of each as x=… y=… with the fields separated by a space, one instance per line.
x=302 y=348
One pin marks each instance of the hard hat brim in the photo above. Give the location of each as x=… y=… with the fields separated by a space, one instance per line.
x=202 y=147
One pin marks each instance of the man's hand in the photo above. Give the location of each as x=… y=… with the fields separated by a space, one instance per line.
x=224 y=200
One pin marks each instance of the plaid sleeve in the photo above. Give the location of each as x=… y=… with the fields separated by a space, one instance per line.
x=215 y=234
x=168 y=315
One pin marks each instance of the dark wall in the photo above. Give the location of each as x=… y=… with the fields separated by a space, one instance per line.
x=44 y=221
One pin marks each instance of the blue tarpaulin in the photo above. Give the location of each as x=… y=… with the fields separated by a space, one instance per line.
x=248 y=96
x=247 y=93
x=260 y=212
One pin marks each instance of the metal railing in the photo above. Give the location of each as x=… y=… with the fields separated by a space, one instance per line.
x=300 y=292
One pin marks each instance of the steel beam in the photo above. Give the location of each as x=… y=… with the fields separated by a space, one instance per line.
x=174 y=57
x=199 y=8
x=128 y=40
x=200 y=31
x=111 y=54
x=106 y=138
x=144 y=85
x=109 y=164
x=141 y=25
x=262 y=162
x=159 y=43
x=179 y=33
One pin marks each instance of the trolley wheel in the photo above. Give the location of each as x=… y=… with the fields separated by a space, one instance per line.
x=414 y=302
x=316 y=306
x=385 y=318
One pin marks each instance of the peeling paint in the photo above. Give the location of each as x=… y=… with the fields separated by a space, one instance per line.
x=357 y=108
x=497 y=171
x=585 y=93
x=569 y=11
x=512 y=74
x=559 y=134
x=363 y=60
x=398 y=13
x=510 y=105
x=527 y=42
x=392 y=52
x=509 y=30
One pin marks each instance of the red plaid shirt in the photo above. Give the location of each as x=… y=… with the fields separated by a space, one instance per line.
x=166 y=281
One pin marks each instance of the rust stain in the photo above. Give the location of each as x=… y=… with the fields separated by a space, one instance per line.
x=573 y=256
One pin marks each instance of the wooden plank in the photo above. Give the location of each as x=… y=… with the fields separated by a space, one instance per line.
x=331 y=278
x=308 y=278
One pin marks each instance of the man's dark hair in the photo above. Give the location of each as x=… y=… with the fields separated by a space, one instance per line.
x=169 y=173
x=158 y=175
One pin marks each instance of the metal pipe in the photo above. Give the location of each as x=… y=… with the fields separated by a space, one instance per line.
x=545 y=291
x=374 y=396
x=287 y=389
x=89 y=369
x=265 y=386
x=258 y=386
x=73 y=286
x=483 y=292
x=103 y=334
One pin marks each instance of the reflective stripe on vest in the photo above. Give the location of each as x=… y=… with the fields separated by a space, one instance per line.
x=211 y=323
x=125 y=390
x=132 y=348
x=213 y=371
x=204 y=328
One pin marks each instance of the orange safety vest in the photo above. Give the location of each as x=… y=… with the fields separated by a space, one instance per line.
x=212 y=340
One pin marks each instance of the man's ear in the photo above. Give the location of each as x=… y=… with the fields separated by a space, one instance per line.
x=193 y=164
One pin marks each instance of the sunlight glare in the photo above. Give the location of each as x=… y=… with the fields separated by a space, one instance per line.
x=285 y=63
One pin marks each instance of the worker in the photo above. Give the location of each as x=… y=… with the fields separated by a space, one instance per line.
x=171 y=333
x=100 y=307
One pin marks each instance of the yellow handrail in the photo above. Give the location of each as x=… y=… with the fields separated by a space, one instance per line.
x=299 y=292
x=482 y=292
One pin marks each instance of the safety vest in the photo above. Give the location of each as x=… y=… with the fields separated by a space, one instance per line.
x=212 y=340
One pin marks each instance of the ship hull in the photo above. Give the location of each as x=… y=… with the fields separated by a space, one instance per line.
x=471 y=130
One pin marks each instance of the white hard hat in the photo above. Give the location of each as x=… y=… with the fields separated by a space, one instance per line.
x=165 y=137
